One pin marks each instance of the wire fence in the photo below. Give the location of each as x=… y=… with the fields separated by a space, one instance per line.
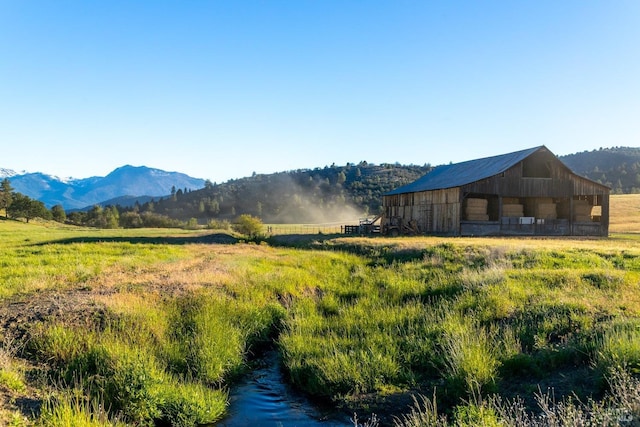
x=275 y=229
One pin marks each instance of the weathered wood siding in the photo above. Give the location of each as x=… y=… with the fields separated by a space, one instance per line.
x=563 y=183
x=435 y=211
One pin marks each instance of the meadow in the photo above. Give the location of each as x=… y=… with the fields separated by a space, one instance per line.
x=154 y=327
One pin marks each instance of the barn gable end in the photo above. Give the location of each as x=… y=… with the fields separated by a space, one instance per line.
x=525 y=192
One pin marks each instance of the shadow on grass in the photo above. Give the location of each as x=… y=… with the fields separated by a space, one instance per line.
x=300 y=241
x=214 y=238
x=377 y=253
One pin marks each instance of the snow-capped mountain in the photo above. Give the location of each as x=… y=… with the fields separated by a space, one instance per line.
x=131 y=181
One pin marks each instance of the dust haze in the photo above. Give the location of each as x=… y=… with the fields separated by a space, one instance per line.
x=315 y=205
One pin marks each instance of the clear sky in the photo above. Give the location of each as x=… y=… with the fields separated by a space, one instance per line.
x=219 y=89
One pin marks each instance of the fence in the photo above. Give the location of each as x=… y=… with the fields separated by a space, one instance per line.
x=275 y=229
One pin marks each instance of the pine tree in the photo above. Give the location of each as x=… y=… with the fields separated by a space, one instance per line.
x=6 y=196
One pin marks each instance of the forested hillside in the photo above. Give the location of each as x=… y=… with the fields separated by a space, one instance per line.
x=332 y=193
x=617 y=167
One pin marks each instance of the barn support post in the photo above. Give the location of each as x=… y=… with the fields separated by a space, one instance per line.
x=571 y=216
x=604 y=218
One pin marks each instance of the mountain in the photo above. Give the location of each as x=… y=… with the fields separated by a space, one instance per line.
x=132 y=181
x=616 y=167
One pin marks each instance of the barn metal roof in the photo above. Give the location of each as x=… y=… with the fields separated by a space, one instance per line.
x=458 y=174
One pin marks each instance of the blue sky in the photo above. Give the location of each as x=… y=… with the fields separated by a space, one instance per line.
x=222 y=89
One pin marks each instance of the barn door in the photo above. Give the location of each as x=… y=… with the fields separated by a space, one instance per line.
x=426 y=214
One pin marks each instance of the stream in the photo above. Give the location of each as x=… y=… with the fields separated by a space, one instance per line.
x=263 y=398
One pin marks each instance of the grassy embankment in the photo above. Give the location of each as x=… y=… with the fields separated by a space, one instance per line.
x=157 y=328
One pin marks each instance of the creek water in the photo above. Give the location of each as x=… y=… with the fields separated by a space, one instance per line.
x=263 y=398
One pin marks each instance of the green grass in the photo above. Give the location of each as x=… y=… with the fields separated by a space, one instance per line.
x=73 y=409
x=36 y=258
x=160 y=326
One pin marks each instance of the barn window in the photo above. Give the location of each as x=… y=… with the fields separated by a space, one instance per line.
x=535 y=168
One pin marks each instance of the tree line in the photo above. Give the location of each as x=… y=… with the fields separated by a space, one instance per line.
x=18 y=206
x=616 y=167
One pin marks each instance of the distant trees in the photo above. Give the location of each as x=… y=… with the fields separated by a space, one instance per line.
x=17 y=205
x=116 y=217
x=6 y=196
x=24 y=207
x=616 y=167
x=58 y=214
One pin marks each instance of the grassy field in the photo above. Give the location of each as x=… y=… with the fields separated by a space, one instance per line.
x=140 y=327
x=625 y=213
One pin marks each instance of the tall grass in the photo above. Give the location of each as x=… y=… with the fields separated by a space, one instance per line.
x=618 y=346
x=72 y=409
x=470 y=355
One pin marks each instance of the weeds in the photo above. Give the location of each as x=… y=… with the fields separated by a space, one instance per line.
x=423 y=413
x=620 y=407
x=11 y=373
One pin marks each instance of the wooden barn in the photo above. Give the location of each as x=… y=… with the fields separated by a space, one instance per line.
x=528 y=192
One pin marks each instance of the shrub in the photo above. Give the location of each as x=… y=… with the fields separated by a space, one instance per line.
x=249 y=225
x=192 y=224
x=216 y=224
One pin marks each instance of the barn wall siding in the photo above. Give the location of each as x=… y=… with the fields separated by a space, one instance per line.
x=434 y=211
